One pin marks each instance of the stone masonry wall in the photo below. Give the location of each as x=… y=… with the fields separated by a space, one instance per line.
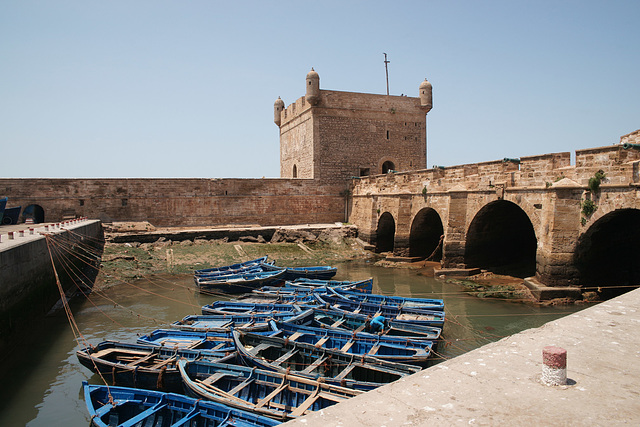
x=297 y=141
x=547 y=188
x=348 y=133
x=181 y=202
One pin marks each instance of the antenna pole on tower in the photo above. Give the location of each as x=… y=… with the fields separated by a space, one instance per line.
x=386 y=70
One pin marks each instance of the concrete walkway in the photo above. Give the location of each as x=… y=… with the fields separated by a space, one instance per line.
x=498 y=384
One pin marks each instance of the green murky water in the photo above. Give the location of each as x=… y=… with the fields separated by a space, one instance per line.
x=43 y=386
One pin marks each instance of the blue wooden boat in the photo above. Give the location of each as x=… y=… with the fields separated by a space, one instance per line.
x=237 y=307
x=406 y=302
x=218 y=275
x=392 y=349
x=237 y=266
x=11 y=215
x=239 y=283
x=321 y=272
x=334 y=367
x=305 y=285
x=248 y=322
x=401 y=314
x=278 y=395
x=139 y=365
x=300 y=298
x=174 y=339
x=122 y=407
x=358 y=322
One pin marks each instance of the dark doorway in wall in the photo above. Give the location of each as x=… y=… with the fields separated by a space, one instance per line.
x=388 y=166
x=33 y=212
x=385 y=233
x=426 y=231
x=295 y=171
x=501 y=239
x=608 y=253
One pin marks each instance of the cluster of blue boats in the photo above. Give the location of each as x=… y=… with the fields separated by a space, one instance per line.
x=293 y=345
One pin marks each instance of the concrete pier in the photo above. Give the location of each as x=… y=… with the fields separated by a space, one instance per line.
x=28 y=286
x=499 y=384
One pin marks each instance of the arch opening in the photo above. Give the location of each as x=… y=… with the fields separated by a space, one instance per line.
x=502 y=240
x=425 y=235
x=388 y=166
x=33 y=213
x=295 y=171
x=607 y=254
x=385 y=233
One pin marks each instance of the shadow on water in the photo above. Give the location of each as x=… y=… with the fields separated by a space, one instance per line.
x=42 y=382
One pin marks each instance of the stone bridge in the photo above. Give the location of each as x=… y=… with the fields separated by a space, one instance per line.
x=541 y=217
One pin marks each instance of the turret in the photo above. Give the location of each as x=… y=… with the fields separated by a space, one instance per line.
x=313 y=88
x=278 y=106
x=426 y=96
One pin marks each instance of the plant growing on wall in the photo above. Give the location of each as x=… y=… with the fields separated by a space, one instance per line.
x=588 y=207
x=594 y=181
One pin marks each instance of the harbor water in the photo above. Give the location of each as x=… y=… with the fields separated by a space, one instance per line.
x=42 y=376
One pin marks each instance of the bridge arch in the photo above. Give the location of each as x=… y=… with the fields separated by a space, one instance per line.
x=385 y=233
x=502 y=239
x=607 y=253
x=425 y=234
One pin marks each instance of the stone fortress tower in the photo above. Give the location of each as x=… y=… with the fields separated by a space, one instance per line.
x=331 y=135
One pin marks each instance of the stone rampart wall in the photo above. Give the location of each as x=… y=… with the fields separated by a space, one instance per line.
x=181 y=202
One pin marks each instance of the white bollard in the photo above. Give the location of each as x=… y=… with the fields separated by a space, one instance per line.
x=554 y=366
x=11 y=236
x=32 y=231
x=21 y=233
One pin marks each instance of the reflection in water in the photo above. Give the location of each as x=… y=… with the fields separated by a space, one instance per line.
x=42 y=388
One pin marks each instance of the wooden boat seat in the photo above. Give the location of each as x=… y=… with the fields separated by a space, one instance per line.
x=172 y=343
x=321 y=342
x=273 y=394
x=219 y=346
x=260 y=347
x=342 y=375
x=213 y=378
x=143 y=415
x=163 y=363
x=314 y=365
x=334 y=397
x=302 y=408
x=284 y=357
x=107 y=351
x=141 y=360
x=295 y=336
x=359 y=328
x=338 y=323
x=345 y=348
x=240 y=386
x=374 y=350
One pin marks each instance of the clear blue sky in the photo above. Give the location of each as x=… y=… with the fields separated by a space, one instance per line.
x=186 y=88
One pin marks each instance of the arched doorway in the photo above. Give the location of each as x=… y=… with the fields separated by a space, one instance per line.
x=424 y=238
x=388 y=166
x=501 y=239
x=607 y=253
x=295 y=171
x=33 y=212
x=385 y=233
